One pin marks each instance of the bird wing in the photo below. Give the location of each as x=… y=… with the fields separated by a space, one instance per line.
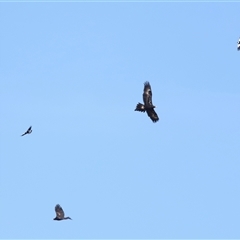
x=147 y=94
x=152 y=114
x=59 y=211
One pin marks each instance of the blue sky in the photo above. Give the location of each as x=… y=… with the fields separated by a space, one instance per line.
x=75 y=72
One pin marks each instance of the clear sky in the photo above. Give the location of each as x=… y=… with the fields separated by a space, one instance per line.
x=75 y=72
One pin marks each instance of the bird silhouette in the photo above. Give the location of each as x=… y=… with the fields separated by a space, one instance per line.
x=60 y=213
x=148 y=105
x=28 y=131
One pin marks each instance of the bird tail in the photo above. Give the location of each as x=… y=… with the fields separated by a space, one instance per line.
x=140 y=107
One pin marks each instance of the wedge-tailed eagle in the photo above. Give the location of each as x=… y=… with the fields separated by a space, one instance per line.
x=28 y=131
x=60 y=213
x=148 y=105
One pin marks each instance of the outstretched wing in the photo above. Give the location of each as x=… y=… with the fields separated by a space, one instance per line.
x=152 y=114
x=59 y=211
x=147 y=94
x=29 y=129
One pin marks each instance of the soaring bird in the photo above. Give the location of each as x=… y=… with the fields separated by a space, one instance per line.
x=238 y=44
x=60 y=213
x=147 y=106
x=28 y=131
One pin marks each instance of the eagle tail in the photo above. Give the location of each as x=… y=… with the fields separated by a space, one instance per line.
x=140 y=107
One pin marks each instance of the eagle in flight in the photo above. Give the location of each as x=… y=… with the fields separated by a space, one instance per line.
x=60 y=213
x=238 y=44
x=147 y=106
x=28 y=131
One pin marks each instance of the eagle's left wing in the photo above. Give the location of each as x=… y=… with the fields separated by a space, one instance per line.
x=152 y=114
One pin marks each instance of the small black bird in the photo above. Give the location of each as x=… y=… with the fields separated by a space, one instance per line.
x=238 y=44
x=147 y=106
x=28 y=131
x=60 y=213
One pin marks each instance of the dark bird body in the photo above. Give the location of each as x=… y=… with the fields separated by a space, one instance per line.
x=60 y=213
x=28 y=131
x=238 y=45
x=147 y=106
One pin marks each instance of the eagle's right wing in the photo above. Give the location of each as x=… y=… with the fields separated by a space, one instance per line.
x=59 y=211
x=147 y=94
